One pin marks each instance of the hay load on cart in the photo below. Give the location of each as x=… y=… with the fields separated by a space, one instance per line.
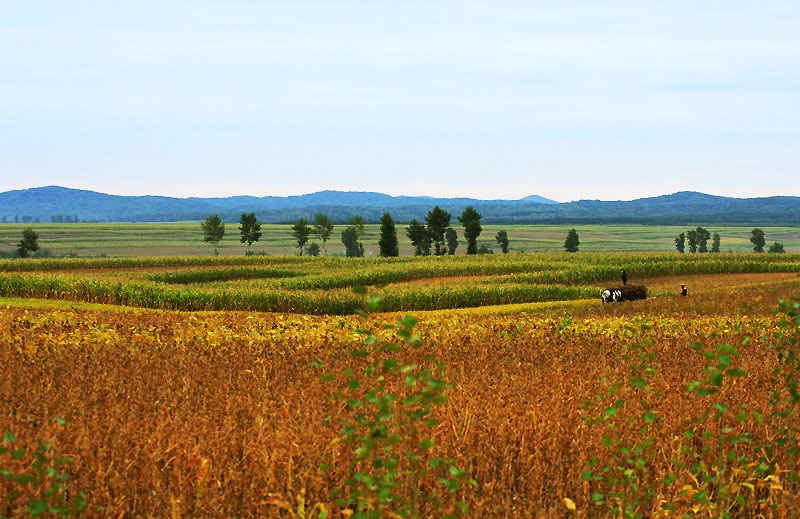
x=624 y=293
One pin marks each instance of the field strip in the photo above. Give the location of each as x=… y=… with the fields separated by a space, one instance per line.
x=62 y=304
x=501 y=309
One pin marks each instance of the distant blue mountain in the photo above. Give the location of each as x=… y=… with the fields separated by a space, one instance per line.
x=685 y=207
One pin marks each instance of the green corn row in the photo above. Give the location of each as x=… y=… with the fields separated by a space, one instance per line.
x=45 y=264
x=430 y=269
x=481 y=295
x=335 y=303
x=222 y=274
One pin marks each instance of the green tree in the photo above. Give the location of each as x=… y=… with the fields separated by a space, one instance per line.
x=715 y=239
x=437 y=220
x=29 y=243
x=691 y=237
x=213 y=230
x=572 y=242
x=388 y=241
x=776 y=247
x=420 y=238
x=357 y=222
x=425 y=244
x=249 y=228
x=313 y=249
x=323 y=227
x=502 y=239
x=680 y=242
x=353 y=248
x=452 y=240
x=757 y=239
x=471 y=220
x=702 y=239
x=301 y=232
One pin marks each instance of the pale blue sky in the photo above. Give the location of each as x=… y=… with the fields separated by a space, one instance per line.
x=495 y=99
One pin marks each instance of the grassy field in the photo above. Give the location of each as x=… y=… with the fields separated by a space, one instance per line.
x=171 y=239
x=516 y=394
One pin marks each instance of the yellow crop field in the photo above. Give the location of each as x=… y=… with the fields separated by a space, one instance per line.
x=122 y=397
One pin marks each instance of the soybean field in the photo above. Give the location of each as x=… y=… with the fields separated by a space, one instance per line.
x=492 y=386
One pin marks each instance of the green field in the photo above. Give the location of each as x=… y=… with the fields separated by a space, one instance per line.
x=185 y=239
x=325 y=285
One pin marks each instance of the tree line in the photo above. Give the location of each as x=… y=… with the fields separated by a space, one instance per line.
x=697 y=240
x=435 y=236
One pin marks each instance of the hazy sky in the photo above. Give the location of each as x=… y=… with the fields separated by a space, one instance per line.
x=496 y=99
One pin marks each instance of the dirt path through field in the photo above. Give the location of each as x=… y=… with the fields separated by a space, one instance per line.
x=712 y=282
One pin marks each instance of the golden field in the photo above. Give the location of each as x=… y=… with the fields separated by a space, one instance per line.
x=170 y=413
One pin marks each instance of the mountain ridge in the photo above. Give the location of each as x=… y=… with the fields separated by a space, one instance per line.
x=681 y=207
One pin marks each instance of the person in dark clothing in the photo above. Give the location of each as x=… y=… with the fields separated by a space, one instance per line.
x=624 y=277
x=684 y=290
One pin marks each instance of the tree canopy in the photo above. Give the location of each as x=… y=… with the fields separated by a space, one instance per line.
x=301 y=232
x=471 y=221
x=502 y=239
x=249 y=228
x=437 y=220
x=388 y=241
x=680 y=242
x=452 y=240
x=353 y=248
x=323 y=227
x=572 y=242
x=776 y=247
x=29 y=243
x=213 y=230
x=757 y=239
x=420 y=238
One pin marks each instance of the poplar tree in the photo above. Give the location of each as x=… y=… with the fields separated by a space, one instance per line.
x=452 y=240
x=388 y=241
x=301 y=232
x=438 y=220
x=572 y=242
x=471 y=221
x=323 y=227
x=680 y=242
x=420 y=238
x=502 y=239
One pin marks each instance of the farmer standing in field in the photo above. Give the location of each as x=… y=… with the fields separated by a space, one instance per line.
x=624 y=277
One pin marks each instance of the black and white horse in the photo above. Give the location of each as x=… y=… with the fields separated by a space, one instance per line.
x=624 y=293
x=610 y=295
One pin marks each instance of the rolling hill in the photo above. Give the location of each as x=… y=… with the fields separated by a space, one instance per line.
x=682 y=208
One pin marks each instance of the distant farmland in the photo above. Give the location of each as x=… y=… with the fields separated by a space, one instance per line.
x=185 y=238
